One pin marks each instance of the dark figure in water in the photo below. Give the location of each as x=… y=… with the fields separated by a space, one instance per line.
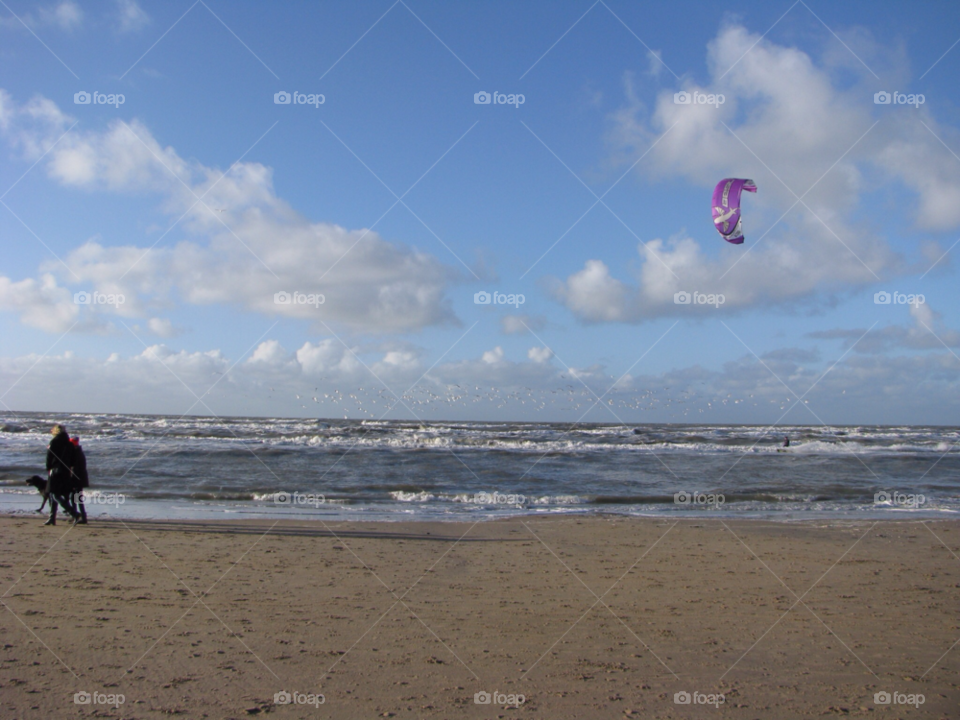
x=786 y=441
x=60 y=455
x=80 y=481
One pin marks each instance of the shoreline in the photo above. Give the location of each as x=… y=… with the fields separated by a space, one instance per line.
x=22 y=504
x=599 y=615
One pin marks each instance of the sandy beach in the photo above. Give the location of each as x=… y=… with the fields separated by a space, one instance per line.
x=598 y=616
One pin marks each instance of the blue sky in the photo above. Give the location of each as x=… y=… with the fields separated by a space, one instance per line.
x=493 y=197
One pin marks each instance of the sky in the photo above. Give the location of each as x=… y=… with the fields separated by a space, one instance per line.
x=152 y=235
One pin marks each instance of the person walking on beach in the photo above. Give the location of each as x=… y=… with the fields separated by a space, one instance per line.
x=60 y=455
x=80 y=481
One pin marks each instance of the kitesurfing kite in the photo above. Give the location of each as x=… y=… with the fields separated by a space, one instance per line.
x=726 y=207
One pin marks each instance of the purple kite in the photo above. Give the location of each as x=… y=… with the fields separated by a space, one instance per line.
x=726 y=207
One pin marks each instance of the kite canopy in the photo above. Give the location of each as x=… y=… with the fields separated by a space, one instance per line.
x=726 y=207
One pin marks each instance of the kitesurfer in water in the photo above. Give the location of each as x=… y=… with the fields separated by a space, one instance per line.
x=786 y=441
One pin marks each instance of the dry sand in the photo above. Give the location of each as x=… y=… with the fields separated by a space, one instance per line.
x=601 y=617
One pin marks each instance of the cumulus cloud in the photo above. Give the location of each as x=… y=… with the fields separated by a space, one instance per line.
x=328 y=356
x=162 y=327
x=493 y=357
x=247 y=244
x=270 y=352
x=540 y=354
x=40 y=303
x=812 y=146
x=326 y=379
x=927 y=333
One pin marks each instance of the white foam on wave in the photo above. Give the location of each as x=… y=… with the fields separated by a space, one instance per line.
x=558 y=500
x=404 y=496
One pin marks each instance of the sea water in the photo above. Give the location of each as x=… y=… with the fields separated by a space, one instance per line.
x=151 y=466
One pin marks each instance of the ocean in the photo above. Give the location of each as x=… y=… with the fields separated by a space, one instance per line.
x=149 y=466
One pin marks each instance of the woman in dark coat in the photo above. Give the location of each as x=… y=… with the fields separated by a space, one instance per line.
x=60 y=455
x=81 y=480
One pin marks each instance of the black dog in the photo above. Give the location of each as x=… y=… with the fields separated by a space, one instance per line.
x=40 y=484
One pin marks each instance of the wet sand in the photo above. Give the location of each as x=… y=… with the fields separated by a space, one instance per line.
x=599 y=617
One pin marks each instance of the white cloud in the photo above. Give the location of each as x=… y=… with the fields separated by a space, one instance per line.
x=493 y=357
x=329 y=356
x=131 y=16
x=257 y=247
x=595 y=296
x=398 y=361
x=927 y=333
x=41 y=304
x=918 y=159
x=540 y=354
x=269 y=354
x=788 y=124
x=162 y=327
x=860 y=388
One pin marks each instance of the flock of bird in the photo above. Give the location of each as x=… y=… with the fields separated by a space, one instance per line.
x=376 y=402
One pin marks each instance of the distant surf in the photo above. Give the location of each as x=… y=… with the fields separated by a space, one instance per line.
x=339 y=469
